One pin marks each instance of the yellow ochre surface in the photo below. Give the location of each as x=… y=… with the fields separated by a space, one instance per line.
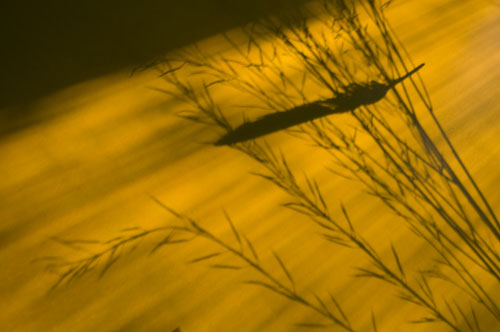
x=89 y=168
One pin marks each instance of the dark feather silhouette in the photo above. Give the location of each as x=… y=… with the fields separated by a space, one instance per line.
x=355 y=95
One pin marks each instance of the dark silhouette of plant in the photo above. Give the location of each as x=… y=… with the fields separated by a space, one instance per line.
x=355 y=95
x=329 y=51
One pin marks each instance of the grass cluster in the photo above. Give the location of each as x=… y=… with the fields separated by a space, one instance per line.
x=335 y=50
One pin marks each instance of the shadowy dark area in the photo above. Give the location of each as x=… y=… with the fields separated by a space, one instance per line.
x=49 y=45
x=354 y=96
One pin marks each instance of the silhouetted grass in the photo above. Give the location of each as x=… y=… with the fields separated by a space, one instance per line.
x=352 y=51
x=356 y=95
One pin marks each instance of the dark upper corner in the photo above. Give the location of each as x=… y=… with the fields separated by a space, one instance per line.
x=49 y=45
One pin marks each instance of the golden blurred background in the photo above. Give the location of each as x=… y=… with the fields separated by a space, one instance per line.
x=82 y=161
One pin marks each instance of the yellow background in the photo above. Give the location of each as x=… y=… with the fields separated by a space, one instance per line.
x=87 y=170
